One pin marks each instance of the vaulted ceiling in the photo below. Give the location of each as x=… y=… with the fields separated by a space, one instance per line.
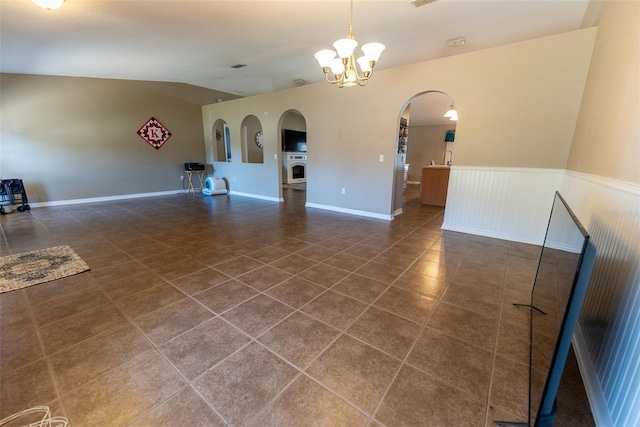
x=197 y=42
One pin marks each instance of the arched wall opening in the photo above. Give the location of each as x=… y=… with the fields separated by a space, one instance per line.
x=252 y=140
x=221 y=151
x=293 y=148
x=425 y=141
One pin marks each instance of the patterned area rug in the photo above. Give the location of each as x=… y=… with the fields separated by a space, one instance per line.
x=32 y=268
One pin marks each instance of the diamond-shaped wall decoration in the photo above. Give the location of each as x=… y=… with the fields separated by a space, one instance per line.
x=154 y=133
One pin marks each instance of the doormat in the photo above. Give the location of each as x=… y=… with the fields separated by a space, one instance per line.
x=32 y=268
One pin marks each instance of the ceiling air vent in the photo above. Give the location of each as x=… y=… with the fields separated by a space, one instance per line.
x=418 y=3
x=459 y=41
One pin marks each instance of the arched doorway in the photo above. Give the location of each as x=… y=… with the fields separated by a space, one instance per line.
x=425 y=140
x=293 y=145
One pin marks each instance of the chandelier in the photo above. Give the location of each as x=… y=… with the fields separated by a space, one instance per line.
x=343 y=67
x=452 y=113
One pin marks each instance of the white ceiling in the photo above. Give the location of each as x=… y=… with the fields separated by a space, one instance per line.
x=196 y=42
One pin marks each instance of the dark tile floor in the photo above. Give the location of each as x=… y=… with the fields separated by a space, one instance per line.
x=233 y=311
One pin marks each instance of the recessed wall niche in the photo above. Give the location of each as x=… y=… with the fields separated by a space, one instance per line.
x=221 y=141
x=252 y=140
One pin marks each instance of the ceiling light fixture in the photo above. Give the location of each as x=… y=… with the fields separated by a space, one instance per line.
x=343 y=67
x=49 y=4
x=452 y=113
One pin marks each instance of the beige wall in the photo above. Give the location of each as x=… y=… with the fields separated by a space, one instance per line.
x=606 y=140
x=518 y=106
x=425 y=143
x=74 y=138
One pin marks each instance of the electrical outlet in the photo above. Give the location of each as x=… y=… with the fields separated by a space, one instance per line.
x=233 y=179
x=181 y=177
x=381 y=157
x=343 y=190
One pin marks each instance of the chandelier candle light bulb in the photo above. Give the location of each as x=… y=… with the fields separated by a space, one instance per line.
x=342 y=62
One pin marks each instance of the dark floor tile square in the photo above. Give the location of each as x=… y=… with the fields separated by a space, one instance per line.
x=199 y=281
x=185 y=408
x=299 y=339
x=160 y=259
x=268 y=254
x=58 y=288
x=324 y=275
x=385 y=331
x=149 y=300
x=71 y=330
x=346 y=261
x=295 y=292
x=364 y=251
x=434 y=269
x=118 y=271
x=125 y=286
x=415 y=397
x=360 y=288
x=225 y=296
x=483 y=301
x=76 y=365
x=337 y=310
x=293 y=264
x=198 y=349
x=395 y=259
x=19 y=345
x=68 y=305
x=244 y=383
x=26 y=387
x=123 y=394
x=357 y=372
x=238 y=266
x=453 y=361
x=410 y=305
x=317 y=253
x=381 y=272
x=257 y=315
x=468 y=326
x=264 y=277
x=168 y=322
x=421 y=283
x=305 y=403
x=178 y=269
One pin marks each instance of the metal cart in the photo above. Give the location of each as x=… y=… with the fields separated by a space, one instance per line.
x=9 y=189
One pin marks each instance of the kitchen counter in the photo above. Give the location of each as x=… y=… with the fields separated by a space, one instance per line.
x=434 y=183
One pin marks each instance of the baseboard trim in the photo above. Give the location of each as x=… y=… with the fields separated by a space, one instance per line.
x=257 y=196
x=349 y=211
x=599 y=408
x=495 y=235
x=102 y=199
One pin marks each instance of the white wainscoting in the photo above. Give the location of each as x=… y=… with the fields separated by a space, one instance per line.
x=505 y=203
x=607 y=340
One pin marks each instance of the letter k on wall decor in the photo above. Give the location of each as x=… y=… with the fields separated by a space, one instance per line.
x=154 y=133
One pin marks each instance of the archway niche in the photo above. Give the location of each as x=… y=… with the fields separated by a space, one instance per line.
x=252 y=140
x=221 y=141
